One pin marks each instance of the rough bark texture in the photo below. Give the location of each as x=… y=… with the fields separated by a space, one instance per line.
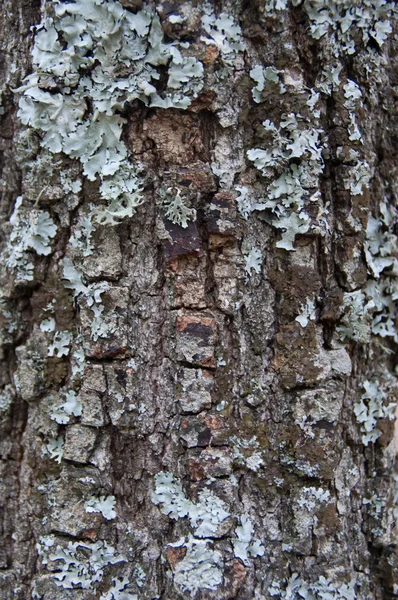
x=201 y=406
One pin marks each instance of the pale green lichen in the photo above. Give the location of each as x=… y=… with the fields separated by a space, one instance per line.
x=201 y=568
x=222 y=31
x=205 y=515
x=123 y=191
x=62 y=411
x=32 y=229
x=263 y=76
x=72 y=186
x=370 y=408
x=352 y=94
x=307 y=314
x=77 y=358
x=103 y=504
x=99 y=57
x=91 y=293
x=102 y=326
x=328 y=80
x=247 y=452
x=372 y=310
x=119 y=591
x=337 y=21
x=55 y=449
x=48 y=325
x=60 y=344
x=322 y=589
x=254 y=261
x=243 y=201
x=78 y=564
x=243 y=544
x=270 y=6
x=175 y=206
x=381 y=245
x=81 y=237
x=288 y=193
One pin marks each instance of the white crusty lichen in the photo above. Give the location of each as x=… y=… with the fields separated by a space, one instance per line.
x=359 y=176
x=78 y=564
x=103 y=504
x=310 y=498
x=355 y=323
x=376 y=508
x=6 y=398
x=373 y=406
x=9 y=318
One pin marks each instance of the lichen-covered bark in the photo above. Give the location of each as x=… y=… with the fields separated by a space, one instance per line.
x=199 y=277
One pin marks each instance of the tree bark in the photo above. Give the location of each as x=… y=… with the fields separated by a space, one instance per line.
x=199 y=277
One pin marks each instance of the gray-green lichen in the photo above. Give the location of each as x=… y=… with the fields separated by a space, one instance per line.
x=101 y=57
x=31 y=230
x=78 y=563
x=373 y=406
x=202 y=566
x=97 y=66
x=292 y=185
x=372 y=309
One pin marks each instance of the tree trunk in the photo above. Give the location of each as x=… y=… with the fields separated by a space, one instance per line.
x=199 y=276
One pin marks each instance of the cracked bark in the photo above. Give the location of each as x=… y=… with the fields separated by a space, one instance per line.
x=202 y=355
